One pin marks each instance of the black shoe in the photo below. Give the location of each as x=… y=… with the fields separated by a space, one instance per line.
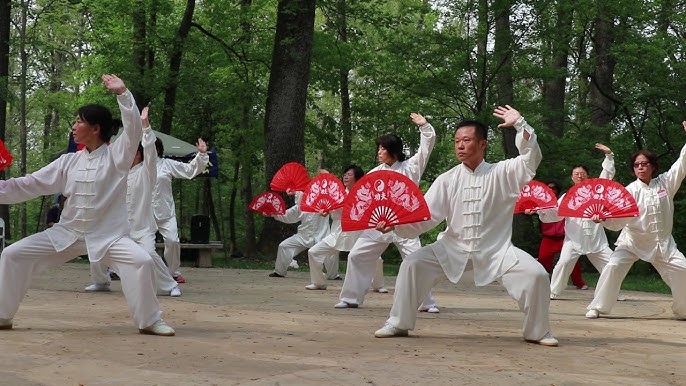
x=274 y=274
x=114 y=276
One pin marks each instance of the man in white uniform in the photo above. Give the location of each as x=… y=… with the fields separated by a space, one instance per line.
x=312 y=229
x=363 y=260
x=582 y=236
x=140 y=181
x=163 y=201
x=476 y=199
x=325 y=252
x=94 y=220
x=647 y=237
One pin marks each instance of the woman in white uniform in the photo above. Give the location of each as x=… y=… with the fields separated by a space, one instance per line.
x=647 y=237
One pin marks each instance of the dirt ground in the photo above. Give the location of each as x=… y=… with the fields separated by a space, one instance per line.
x=240 y=327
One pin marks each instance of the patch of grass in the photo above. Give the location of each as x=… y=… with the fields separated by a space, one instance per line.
x=635 y=282
x=641 y=280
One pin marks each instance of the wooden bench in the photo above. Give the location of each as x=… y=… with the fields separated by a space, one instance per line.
x=204 y=251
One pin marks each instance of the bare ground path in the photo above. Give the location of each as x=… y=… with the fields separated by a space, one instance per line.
x=239 y=327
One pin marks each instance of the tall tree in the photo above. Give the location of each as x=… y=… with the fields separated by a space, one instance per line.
x=286 y=97
x=5 y=22
x=175 y=57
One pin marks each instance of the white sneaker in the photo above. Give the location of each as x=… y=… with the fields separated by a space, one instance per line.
x=389 y=331
x=158 y=328
x=432 y=310
x=621 y=297
x=294 y=264
x=98 y=287
x=5 y=324
x=315 y=287
x=592 y=314
x=175 y=292
x=343 y=304
x=553 y=296
x=547 y=340
x=381 y=290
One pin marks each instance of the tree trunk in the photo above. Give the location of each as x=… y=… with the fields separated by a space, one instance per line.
x=174 y=66
x=601 y=88
x=23 y=55
x=5 y=12
x=554 y=87
x=286 y=99
x=344 y=71
x=481 y=71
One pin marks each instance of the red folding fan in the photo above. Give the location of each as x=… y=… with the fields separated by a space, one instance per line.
x=268 y=203
x=5 y=157
x=383 y=196
x=600 y=196
x=535 y=195
x=291 y=176
x=325 y=192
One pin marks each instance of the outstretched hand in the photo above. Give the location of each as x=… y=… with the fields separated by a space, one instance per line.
x=201 y=145
x=418 y=119
x=603 y=148
x=114 y=84
x=144 y=117
x=684 y=124
x=507 y=114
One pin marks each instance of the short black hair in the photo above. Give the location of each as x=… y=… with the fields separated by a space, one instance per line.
x=652 y=158
x=480 y=129
x=393 y=144
x=357 y=171
x=580 y=166
x=160 y=147
x=96 y=114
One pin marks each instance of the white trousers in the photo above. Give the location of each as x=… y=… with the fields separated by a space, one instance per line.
x=527 y=282
x=164 y=282
x=172 y=247
x=31 y=255
x=323 y=256
x=565 y=265
x=363 y=265
x=672 y=271
x=286 y=251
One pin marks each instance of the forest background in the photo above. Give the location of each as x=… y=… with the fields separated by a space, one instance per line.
x=266 y=82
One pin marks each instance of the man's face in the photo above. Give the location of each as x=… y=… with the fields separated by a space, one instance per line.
x=468 y=147
x=643 y=169
x=579 y=175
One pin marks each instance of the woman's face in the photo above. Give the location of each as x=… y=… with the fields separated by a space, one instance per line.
x=579 y=175
x=84 y=132
x=643 y=169
x=385 y=157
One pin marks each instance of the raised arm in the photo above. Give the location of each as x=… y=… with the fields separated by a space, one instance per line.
x=427 y=140
x=125 y=147
x=149 y=150
x=608 y=163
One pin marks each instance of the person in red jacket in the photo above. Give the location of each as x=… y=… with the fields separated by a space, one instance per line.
x=552 y=238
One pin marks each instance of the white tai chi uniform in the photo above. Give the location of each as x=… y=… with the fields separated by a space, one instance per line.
x=363 y=258
x=477 y=206
x=324 y=254
x=163 y=203
x=582 y=237
x=93 y=222
x=140 y=182
x=647 y=237
x=312 y=229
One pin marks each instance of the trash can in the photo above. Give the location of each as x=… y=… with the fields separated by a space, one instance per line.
x=200 y=229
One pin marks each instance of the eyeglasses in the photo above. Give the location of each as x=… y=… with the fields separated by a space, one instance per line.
x=641 y=163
